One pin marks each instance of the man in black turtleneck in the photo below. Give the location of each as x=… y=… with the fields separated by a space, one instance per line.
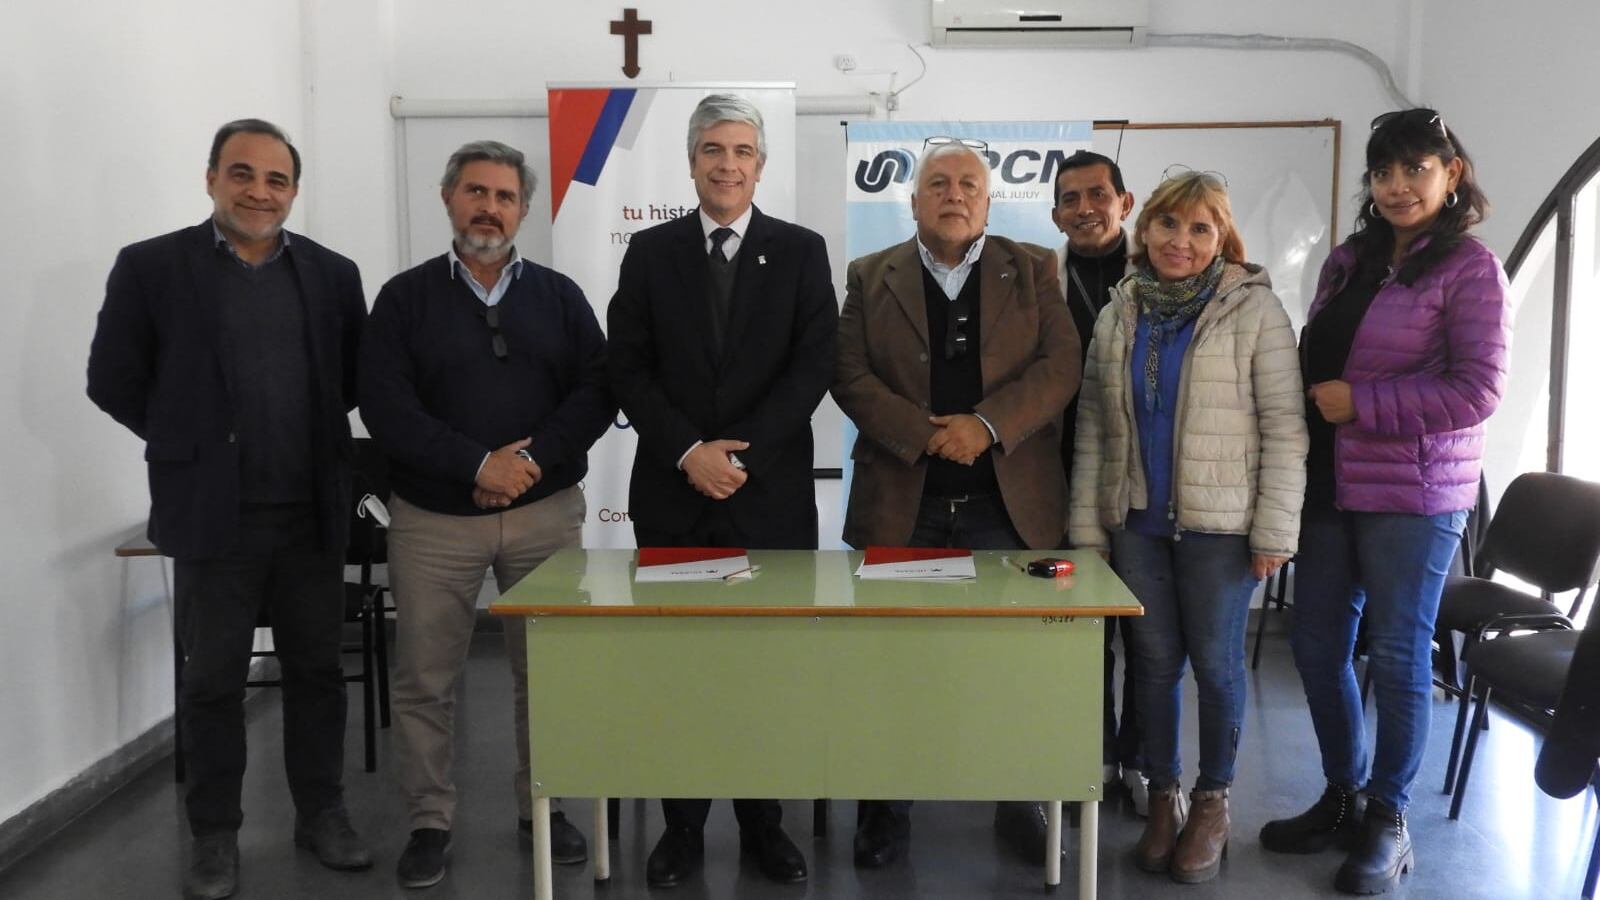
x=1091 y=205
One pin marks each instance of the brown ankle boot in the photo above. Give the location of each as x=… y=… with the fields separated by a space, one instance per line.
x=1154 y=852
x=1204 y=841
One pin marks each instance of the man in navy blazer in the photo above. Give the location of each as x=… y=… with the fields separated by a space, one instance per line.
x=229 y=348
x=721 y=347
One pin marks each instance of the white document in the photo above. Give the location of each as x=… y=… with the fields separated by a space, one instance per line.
x=719 y=569
x=952 y=568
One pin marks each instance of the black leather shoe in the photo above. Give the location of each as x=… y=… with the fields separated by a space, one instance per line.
x=1382 y=857
x=780 y=859
x=422 y=864
x=881 y=838
x=675 y=857
x=213 y=867
x=567 y=846
x=1334 y=819
x=1023 y=826
x=328 y=834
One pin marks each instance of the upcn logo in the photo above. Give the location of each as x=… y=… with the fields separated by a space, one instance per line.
x=1016 y=167
x=888 y=167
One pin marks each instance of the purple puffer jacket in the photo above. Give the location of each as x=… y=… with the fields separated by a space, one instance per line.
x=1426 y=368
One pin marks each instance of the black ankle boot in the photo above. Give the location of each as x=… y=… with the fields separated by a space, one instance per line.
x=1334 y=818
x=1383 y=855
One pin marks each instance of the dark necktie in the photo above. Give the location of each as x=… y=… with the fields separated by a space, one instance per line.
x=718 y=236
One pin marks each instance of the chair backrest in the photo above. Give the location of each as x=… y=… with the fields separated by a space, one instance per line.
x=1546 y=532
x=1571 y=751
x=369 y=475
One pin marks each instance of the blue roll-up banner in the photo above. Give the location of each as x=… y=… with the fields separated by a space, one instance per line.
x=1023 y=158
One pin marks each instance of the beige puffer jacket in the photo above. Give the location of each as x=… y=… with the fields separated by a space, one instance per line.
x=1240 y=435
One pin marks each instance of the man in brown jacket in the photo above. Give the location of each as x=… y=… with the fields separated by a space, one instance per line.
x=955 y=358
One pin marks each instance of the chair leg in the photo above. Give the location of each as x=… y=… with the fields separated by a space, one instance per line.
x=1471 y=749
x=1278 y=595
x=1460 y=733
x=1594 y=853
x=381 y=641
x=178 y=770
x=819 y=818
x=368 y=694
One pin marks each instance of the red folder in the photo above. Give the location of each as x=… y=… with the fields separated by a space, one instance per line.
x=877 y=556
x=672 y=556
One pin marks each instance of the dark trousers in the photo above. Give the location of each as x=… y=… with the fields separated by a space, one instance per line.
x=1121 y=735
x=715 y=528
x=976 y=523
x=276 y=566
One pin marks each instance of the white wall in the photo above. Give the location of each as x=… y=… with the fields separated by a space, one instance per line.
x=109 y=108
x=1516 y=89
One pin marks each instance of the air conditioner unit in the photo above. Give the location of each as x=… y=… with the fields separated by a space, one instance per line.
x=1040 y=23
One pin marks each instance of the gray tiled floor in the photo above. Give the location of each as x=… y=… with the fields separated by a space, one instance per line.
x=1511 y=842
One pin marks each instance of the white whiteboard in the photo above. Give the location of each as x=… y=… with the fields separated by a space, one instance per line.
x=1280 y=180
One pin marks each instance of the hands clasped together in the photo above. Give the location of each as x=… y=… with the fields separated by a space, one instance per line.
x=711 y=470
x=961 y=438
x=506 y=475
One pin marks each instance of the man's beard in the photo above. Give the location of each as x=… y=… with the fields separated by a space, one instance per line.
x=486 y=250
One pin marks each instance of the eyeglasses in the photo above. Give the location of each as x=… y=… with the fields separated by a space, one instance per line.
x=1431 y=117
x=1211 y=178
x=491 y=314
x=955 y=332
x=945 y=141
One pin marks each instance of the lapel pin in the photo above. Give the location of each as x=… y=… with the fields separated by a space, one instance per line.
x=761 y=259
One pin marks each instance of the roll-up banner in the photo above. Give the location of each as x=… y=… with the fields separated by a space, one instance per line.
x=619 y=163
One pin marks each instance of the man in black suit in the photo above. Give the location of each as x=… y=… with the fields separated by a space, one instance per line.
x=230 y=349
x=721 y=347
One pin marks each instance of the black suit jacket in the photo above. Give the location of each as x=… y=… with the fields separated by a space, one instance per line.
x=156 y=366
x=774 y=365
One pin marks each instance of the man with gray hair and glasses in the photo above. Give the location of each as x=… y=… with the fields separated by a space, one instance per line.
x=483 y=381
x=721 y=348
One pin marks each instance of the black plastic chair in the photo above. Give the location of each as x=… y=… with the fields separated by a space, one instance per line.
x=368 y=548
x=363 y=607
x=1568 y=760
x=1553 y=679
x=1546 y=532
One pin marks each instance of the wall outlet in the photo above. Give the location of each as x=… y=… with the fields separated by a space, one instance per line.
x=844 y=62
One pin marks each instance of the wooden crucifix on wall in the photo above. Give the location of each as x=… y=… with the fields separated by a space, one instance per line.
x=630 y=26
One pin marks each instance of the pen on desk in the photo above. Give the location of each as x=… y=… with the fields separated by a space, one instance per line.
x=748 y=570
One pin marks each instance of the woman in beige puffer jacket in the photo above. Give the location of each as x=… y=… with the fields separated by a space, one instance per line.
x=1189 y=469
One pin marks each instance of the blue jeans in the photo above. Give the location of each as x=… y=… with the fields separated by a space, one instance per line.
x=1389 y=568
x=1196 y=593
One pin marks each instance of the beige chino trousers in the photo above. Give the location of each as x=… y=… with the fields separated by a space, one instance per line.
x=436 y=566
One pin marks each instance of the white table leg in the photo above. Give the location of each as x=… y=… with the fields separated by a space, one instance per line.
x=602 y=841
x=1052 y=845
x=1089 y=850
x=542 y=888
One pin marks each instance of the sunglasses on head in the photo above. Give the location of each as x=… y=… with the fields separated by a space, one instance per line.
x=1211 y=178
x=1428 y=116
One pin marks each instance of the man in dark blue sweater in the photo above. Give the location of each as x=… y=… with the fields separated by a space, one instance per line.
x=483 y=378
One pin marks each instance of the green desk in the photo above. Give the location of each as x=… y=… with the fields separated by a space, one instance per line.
x=806 y=682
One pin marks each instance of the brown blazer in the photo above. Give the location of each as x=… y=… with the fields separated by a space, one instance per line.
x=1031 y=367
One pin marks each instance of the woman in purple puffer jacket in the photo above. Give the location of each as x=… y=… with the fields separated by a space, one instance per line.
x=1404 y=354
